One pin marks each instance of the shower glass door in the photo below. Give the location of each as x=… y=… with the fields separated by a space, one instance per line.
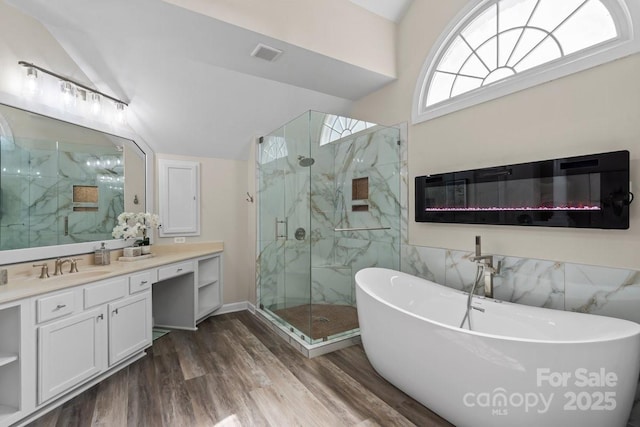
x=285 y=225
x=329 y=205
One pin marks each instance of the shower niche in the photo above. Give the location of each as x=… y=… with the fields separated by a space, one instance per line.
x=360 y=194
x=589 y=191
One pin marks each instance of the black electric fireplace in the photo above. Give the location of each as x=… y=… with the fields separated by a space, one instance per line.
x=584 y=192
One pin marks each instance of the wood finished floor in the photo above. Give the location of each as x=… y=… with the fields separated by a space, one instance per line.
x=234 y=371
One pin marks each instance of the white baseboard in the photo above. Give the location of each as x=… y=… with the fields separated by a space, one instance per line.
x=235 y=306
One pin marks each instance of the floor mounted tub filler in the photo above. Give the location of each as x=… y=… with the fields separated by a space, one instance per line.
x=518 y=365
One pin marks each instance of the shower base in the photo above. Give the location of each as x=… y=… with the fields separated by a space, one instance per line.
x=326 y=319
x=300 y=342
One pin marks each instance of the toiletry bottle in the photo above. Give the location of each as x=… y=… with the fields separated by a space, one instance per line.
x=102 y=255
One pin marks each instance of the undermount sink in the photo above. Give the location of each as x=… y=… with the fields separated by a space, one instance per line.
x=86 y=273
x=82 y=274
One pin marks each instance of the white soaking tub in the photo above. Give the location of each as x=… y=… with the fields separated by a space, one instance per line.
x=519 y=365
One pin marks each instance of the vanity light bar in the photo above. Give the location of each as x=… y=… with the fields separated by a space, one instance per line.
x=66 y=79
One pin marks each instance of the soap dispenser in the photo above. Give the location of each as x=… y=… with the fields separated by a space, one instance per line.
x=102 y=256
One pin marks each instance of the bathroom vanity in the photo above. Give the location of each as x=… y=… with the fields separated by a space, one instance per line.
x=63 y=334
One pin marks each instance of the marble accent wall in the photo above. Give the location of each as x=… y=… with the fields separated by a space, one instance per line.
x=564 y=286
x=37 y=194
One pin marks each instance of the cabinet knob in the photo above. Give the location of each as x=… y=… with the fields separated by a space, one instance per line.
x=144 y=282
x=101 y=317
x=178 y=270
x=59 y=307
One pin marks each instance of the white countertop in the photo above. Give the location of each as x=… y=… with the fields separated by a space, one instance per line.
x=24 y=279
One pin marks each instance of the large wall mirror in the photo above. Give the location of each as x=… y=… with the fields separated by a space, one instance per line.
x=62 y=184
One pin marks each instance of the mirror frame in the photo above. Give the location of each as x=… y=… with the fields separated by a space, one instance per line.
x=14 y=256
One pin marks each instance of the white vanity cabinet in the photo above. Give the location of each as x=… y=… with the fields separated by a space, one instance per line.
x=15 y=365
x=209 y=285
x=187 y=292
x=174 y=296
x=62 y=340
x=86 y=330
x=130 y=327
x=71 y=351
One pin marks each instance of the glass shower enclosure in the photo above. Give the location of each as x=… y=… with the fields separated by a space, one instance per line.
x=328 y=206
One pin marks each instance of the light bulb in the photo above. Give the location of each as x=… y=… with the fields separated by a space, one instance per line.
x=31 y=81
x=68 y=94
x=120 y=116
x=95 y=104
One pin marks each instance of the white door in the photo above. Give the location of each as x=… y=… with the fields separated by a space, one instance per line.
x=130 y=327
x=70 y=351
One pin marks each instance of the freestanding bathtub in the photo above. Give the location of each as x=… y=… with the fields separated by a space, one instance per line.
x=518 y=366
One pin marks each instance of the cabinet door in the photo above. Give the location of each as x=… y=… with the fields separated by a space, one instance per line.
x=70 y=351
x=179 y=194
x=130 y=327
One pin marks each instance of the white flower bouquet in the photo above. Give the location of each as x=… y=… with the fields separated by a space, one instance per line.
x=131 y=225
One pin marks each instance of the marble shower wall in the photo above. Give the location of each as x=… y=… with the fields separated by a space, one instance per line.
x=37 y=193
x=320 y=268
x=564 y=286
x=374 y=155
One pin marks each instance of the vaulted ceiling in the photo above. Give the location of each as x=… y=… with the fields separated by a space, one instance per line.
x=193 y=88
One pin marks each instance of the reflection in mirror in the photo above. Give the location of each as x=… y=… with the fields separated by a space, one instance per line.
x=62 y=183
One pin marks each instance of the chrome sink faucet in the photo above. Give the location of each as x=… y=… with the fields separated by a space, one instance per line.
x=486 y=261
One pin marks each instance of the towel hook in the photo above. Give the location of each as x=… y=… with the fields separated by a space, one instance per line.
x=249 y=198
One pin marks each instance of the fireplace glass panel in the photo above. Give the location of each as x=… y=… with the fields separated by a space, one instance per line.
x=586 y=191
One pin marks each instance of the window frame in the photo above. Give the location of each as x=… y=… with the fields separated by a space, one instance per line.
x=328 y=129
x=625 y=13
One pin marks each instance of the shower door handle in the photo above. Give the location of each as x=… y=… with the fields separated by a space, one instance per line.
x=286 y=228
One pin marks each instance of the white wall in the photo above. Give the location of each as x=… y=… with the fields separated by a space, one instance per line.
x=593 y=111
x=24 y=38
x=224 y=216
x=335 y=28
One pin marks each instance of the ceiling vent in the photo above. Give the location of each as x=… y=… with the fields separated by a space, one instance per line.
x=265 y=52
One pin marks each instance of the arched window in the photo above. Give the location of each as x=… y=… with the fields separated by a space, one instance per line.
x=337 y=127
x=275 y=147
x=497 y=47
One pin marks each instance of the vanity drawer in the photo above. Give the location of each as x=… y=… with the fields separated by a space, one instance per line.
x=106 y=291
x=141 y=281
x=55 y=306
x=175 y=270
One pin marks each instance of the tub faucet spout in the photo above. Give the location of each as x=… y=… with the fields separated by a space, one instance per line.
x=486 y=261
x=489 y=271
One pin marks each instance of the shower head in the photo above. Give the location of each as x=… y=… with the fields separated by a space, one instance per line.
x=305 y=161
